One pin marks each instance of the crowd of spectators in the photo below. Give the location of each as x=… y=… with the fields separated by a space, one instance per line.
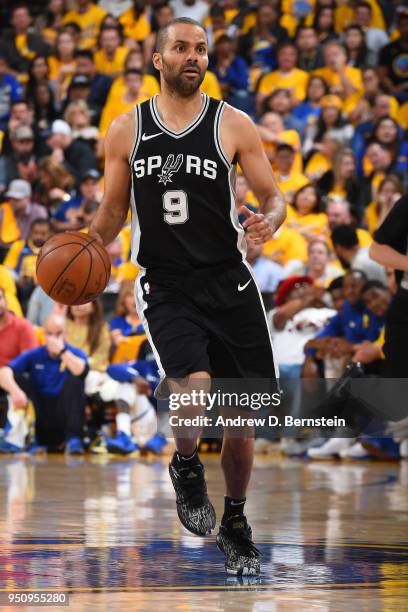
x=326 y=84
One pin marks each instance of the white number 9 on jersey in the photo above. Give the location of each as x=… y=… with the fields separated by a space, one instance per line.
x=176 y=206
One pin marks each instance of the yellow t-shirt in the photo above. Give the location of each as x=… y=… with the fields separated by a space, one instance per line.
x=137 y=29
x=285 y=245
x=317 y=165
x=9 y=287
x=292 y=138
x=371 y=217
x=291 y=184
x=9 y=230
x=402 y=117
x=313 y=223
x=286 y=21
x=115 y=108
x=77 y=335
x=22 y=46
x=55 y=66
x=344 y=16
x=333 y=80
x=296 y=80
x=111 y=67
x=211 y=86
x=89 y=22
x=150 y=87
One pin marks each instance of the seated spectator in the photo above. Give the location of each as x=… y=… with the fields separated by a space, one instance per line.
x=78 y=117
x=110 y=58
x=323 y=24
x=55 y=184
x=133 y=95
x=354 y=257
x=127 y=321
x=272 y=132
x=281 y=102
x=99 y=84
x=388 y=134
x=306 y=215
x=380 y=161
x=10 y=91
x=22 y=257
x=21 y=45
x=21 y=114
x=10 y=291
x=62 y=64
x=21 y=161
x=317 y=266
x=67 y=217
x=286 y=244
x=231 y=71
x=195 y=9
x=289 y=181
x=257 y=46
x=268 y=274
x=44 y=107
x=355 y=45
x=392 y=60
x=79 y=90
x=150 y=85
x=76 y=156
x=49 y=23
x=308 y=111
x=88 y=16
x=344 y=81
x=339 y=212
x=320 y=159
x=52 y=377
x=16 y=333
x=287 y=76
x=330 y=120
x=310 y=56
x=18 y=213
x=162 y=13
x=341 y=180
x=389 y=192
x=375 y=38
x=135 y=22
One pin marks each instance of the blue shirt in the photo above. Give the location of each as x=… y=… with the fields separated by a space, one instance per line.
x=128 y=372
x=46 y=374
x=125 y=327
x=268 y=274
x=353 y=323
x=10 y=91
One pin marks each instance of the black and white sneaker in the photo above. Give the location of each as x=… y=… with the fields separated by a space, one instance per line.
x=234 y=539
x=194 y=508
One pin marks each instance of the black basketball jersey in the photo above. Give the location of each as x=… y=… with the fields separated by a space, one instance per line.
x=183 y=188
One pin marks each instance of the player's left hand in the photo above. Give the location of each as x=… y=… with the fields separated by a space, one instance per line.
x=256 y=225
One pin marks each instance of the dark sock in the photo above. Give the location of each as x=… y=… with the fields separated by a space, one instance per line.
x=186 y=460
x=233 y=507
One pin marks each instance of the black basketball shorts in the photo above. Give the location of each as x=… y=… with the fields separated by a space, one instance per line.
x=210 y=321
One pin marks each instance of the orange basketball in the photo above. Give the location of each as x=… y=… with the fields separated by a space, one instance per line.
x=73 y=268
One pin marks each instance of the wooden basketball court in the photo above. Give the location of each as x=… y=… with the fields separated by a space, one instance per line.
x=333 y=536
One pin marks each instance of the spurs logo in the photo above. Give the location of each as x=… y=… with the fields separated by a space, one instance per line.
x=169 y=168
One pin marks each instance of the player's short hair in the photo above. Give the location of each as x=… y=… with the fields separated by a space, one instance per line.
x=345 y=236
x=163 y=33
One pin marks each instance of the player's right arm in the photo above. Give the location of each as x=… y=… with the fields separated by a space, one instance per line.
x=112 y=212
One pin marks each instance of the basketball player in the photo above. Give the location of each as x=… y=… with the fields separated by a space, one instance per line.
x=196 y=296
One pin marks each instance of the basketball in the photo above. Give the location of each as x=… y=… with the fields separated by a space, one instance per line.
x=73 y=268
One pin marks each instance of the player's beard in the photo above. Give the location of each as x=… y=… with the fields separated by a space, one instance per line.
x=180 y=83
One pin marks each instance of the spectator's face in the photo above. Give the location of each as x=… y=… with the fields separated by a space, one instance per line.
x=337 y=214
x=337 y=296
x=353 y=39
x=307 y=40
x=266 y=16
x=85 y=67
x=332 y=53
x=184 y=59
x=387 y=132
x=110 y=41
x=388 y=194
x=306 y=200
x=300 y=290
x=382 y=107
x=21 y=19
x=325 y=23
x=56 y=7
x=58 y=141
x=241 y=189
x=347 y=167
x=218 y=22
x=280 y=103
x=23 y=147
x=377 y=301
x=318 y=256
x=315 y=90
x=330 y=115
x=114 y=250
x=40 y=232
x=21 y=113
x=3 y=68
x=133 y=84
x=224 y=49
x=371 y=82
x=284 y=160
x=353 y=284
x=54 y=329
x=19 y=205
x=287 y=58
x=79 y=92
x=42 y=95
x=89 y=189
x=3 y=304
x=82 y=310
x=379 y=157
x=164 y=15
x=78 y=119
x=82 y=3
x=66 y=45
x=362 y=16
x=40 y=69
x=273 y=122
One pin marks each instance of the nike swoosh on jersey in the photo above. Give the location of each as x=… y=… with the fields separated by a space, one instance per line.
x=242 y=287
x=145 y=137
